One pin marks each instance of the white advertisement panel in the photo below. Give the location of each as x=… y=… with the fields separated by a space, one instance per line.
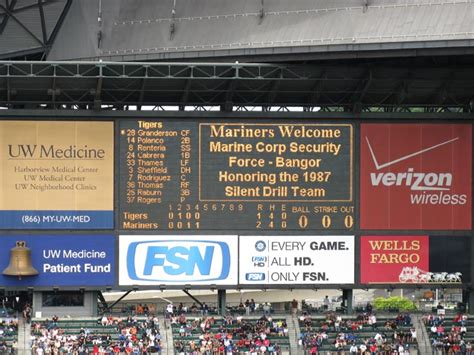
x=276 y=260
x=177 y=260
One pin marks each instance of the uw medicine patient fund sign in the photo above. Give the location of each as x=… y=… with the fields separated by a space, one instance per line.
x=56 y=175
x=62 y=260
x=296 y=260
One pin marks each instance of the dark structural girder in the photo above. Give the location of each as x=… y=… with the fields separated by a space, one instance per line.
x=353 y=87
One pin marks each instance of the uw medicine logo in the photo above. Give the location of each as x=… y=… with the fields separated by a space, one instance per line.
x=416 y=176
x=150 y=260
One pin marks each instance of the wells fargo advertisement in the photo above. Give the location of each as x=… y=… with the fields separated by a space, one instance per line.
x=415 y=176
x=56 y=175
x=414 y=259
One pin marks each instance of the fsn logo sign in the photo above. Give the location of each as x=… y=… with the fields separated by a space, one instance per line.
x=259 y=261
x=255 y=276
x=178 y=261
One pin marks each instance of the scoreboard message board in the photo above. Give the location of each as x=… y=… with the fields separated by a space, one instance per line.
x=246 y=202
x=204 y=175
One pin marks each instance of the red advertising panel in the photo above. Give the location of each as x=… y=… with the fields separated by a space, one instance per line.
x=415 y=176
x=394 y=259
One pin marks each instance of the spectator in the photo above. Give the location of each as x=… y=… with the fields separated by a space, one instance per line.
x=294 y=306
x=204 y=309
x=252 y=305
x=169 y=310
x=326 y=303
x=353 y=348
x=266 y=308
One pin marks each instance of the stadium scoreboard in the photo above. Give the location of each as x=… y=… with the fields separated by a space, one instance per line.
x=208 y=175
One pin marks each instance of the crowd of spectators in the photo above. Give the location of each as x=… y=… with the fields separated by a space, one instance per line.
x=231 y=334
x=129 y=336
x=450 y=339
x=392 y=337
x=8 y=330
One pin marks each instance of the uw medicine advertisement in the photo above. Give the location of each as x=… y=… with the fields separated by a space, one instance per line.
x=415 y=259
x=296 y=260
x=57 y=260
x=416 y=176
x=177 y=260
x=56 y=175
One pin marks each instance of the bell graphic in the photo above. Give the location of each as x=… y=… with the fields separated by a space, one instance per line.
x=20 y=262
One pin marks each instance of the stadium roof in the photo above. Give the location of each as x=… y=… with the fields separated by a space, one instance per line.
x=353 y=88
x=29 y=27
x=262 y=30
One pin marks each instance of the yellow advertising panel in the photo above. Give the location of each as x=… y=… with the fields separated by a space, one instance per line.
x=56 y=174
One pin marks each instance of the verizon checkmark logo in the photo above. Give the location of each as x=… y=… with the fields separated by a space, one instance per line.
x=405 y=157
x=417 y=181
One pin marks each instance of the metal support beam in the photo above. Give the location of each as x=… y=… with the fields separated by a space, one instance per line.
x=98 y=94
x=361 y=91
x=173 y=21
x=261 y=13
x=192 y=297
x=10 y=14
x=347 y=295
x=43 y=22
x=185 y=96
x=365 y=6
x=117 y=301
x=229 y=104
x=102 y=300
x=56 y=28
x=10 y=7
x=317 y=89
x=221 y=302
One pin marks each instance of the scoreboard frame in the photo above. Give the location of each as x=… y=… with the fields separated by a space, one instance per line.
x=356 y=120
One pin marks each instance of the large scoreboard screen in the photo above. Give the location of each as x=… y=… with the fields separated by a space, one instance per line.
x=214 y=175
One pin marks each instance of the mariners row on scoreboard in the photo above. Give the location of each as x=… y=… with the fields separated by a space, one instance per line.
x=151 y=260
x=60 y=175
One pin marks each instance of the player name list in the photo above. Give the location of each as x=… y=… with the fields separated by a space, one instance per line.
x=178 y=175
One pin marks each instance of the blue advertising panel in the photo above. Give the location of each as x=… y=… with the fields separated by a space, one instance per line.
x=30 y=219
x=60 y=260
x=177 y=260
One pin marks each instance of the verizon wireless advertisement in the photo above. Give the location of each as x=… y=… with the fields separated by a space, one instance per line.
x=415 y=176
